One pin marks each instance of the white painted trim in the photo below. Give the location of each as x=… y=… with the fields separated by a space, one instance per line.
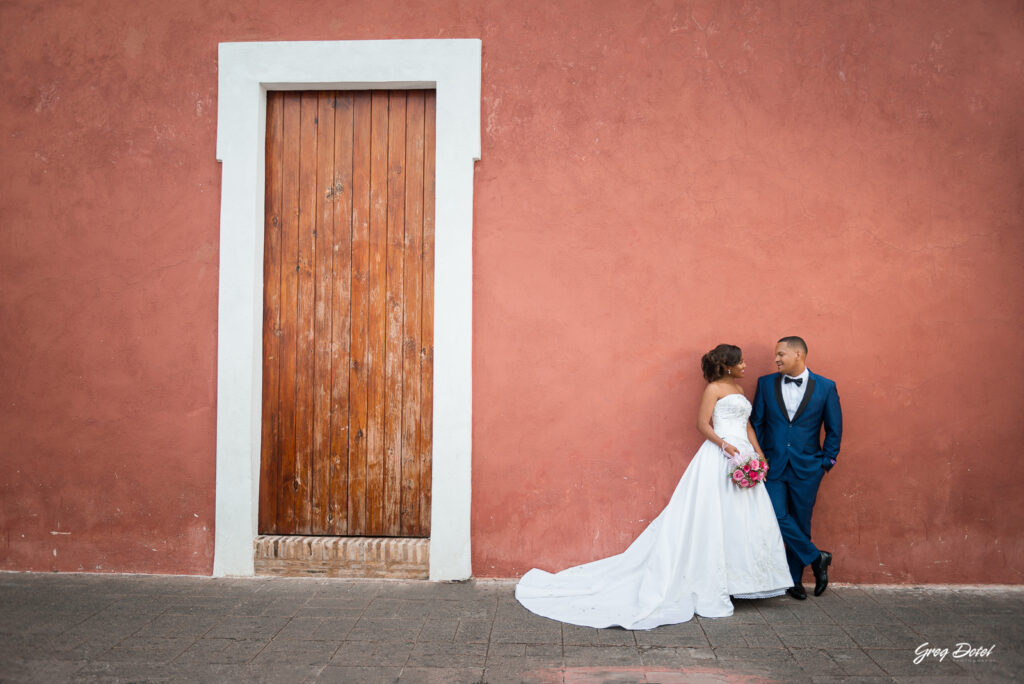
x=247 y=71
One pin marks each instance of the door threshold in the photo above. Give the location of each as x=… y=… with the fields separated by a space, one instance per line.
x=349 y=557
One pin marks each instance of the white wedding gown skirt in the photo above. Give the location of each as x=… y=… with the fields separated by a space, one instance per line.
x=713 y=540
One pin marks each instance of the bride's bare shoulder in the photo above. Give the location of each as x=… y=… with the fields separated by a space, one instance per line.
x=719 y=389
x=716 y=389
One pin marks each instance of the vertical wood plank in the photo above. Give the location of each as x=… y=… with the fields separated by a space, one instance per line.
x=413 y=267
x=323 y=247
x=341 y=288
x=375 y=360
x=305 y=311
x=360 y=304
x=394 y=314
x=269 y=448
x=289 y=294
x=427 y=321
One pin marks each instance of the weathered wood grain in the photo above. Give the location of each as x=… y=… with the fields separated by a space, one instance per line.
x=394 y=315
x=359 y=379
x=323 y=265
x=289 y=325
x=341 y=313
x=427 y=320
x=305 y=318
x=375 y=359
x=413 y=277
x=269 y=443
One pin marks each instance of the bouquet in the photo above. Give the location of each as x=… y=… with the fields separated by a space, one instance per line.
x=747 y=469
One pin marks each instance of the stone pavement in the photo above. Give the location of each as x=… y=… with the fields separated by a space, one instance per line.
x=142 y=628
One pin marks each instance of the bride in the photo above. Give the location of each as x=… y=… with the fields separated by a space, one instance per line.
x=713 y=541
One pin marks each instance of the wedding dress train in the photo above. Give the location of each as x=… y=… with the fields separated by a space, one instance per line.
x=713 y=540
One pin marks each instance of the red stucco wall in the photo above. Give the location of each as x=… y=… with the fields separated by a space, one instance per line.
x=656 y=178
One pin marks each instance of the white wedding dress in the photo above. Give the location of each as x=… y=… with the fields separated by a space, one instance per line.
x=713 y=540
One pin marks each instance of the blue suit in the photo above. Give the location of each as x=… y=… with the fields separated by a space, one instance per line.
x=797 y=458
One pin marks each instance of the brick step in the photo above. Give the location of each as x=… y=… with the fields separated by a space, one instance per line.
x=299 y=556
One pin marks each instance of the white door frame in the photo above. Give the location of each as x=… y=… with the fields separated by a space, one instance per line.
x=247 y=72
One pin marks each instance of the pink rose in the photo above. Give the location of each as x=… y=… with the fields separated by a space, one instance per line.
x=737 y=475
x=755 y=465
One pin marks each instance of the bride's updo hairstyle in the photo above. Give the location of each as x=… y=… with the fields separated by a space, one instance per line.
x=714 y=363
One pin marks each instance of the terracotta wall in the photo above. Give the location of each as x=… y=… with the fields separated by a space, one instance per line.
x=656 y=178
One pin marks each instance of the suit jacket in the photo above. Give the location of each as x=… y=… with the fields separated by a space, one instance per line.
x=798 y=442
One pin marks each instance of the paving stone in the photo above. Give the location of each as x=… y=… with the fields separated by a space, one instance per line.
x=600 y=675
x=316 y=629
x=387 y=629
x=844 y=679
x=513 y=672
x=504 y=650
x=474 y=631
x=179 y=625
x=42 y=670
x=279 y=653
x=447 y=675
x=247 y=627
x=588 y=636
x=203 y=605
x=268 y=606
x=814 y=636
x=354 y=653
x=281 y=672
x=382 y=607
x=439 y=629
x=130 y=671
x=452 y=655
x=687 y=634
x=668 y=656
x=336 y=607
x=602 y=655
x=869 y=636
x=855 y=662
x=333 y=674
x=526 y=631
x=721 y=634
x=815 y=662
x=222 y=651
x=148 y=649
x=480 y=609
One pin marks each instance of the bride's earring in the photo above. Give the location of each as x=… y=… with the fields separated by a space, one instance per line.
x=729 y=371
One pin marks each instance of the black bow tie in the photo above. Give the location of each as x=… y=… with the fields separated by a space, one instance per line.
x=797 y=381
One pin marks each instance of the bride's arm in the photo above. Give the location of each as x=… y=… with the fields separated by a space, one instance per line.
x=707 y=405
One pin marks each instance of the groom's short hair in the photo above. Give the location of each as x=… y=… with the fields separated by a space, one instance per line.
x=794 y=341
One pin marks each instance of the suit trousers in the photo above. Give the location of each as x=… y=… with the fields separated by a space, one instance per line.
x=793 y=499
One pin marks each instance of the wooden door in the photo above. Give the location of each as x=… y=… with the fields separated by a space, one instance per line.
x=348 y=313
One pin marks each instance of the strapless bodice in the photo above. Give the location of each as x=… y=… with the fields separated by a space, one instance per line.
x=730 y=416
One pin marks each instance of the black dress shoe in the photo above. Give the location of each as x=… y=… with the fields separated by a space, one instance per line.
x=797 y=591
x=820 y=569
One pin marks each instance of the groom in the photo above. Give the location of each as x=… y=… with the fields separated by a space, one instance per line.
x=790 y=409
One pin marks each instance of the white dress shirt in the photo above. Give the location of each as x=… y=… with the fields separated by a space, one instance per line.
x=793 y=394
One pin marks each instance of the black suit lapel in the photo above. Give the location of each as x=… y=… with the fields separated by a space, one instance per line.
x=778 y=396
x=806 y=400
